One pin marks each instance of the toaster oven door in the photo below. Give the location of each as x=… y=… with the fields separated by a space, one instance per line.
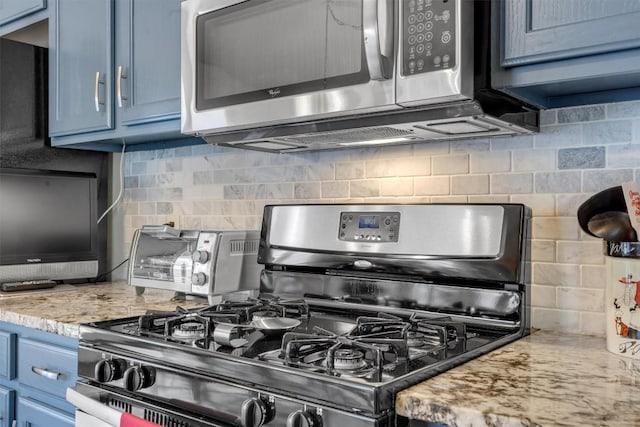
x=161 y=263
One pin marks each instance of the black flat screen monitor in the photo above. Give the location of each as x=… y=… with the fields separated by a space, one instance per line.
x=48 y=225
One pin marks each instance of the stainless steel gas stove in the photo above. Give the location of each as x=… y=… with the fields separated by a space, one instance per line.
x=356 y=303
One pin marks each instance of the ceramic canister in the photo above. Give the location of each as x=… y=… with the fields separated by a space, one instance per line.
x=623 y=298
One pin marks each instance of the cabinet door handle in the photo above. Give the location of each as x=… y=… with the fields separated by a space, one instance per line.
x=43 y=372
x=121 y=75
x=96 y=92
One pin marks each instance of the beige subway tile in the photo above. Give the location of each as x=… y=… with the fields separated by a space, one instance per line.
x=540 y=204
x=396 y=187
x=555 y=320
x=555 y=274
x=450 y=165
x=470 y=184
x=364 y=188
x=581 y=299
x=543 y=250
x=580 y=252
x=543 y=296
x=558 y=228
x=594 y=276
x=431 y=185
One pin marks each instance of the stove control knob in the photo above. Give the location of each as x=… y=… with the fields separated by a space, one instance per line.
x=198 y=279
x=256 y=412
x=200 y=256
x=303 y=418
x=109 y=370
x=138 y=377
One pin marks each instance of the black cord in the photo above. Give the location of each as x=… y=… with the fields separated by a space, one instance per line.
x=104 y=275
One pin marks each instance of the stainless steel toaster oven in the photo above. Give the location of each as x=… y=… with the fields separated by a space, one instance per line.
x=196 y=262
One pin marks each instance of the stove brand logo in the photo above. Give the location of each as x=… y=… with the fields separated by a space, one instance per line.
x=34 y=259
x=274 y=92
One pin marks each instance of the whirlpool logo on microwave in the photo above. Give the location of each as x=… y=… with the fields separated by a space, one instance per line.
x=274 y=92
x=34 y=259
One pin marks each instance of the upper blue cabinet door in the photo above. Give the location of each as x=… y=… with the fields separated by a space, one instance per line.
x=81 y=66
x=10 y=10
x=537 y=31
x=147 y=87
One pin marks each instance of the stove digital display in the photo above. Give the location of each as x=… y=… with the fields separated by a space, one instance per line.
x=369 y=221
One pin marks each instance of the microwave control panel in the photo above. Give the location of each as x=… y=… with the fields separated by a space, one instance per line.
x=428 y=36
x=369 y=226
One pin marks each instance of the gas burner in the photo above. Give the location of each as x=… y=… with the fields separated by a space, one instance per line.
x=265 y=314
x=348 y=360
x=417 y=339
x=189 y=330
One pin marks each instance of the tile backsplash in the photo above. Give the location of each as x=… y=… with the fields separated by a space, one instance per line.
x=578 y=152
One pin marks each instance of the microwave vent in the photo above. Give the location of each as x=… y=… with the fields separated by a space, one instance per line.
x=350 y=136
x=244 y=247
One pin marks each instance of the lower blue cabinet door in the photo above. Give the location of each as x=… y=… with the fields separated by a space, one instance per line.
x=35 y=414
x=7 y=405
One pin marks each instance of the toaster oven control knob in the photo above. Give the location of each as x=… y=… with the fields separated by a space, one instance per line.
x=303 y=418
x=109 y=370
x=138 y=377
x=200 y=257
x=256 y=412
x=198 y=279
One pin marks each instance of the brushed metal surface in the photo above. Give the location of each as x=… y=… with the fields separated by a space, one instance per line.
x=375 y=95
x=423 y=230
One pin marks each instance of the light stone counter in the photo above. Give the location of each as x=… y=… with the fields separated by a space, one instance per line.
x=545 y=379
x=62 y=309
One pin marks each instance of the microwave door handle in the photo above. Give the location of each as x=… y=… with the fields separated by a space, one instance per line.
x=377 y=18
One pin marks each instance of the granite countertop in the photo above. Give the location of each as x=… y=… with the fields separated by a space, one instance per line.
x=545 y=379
x=62 y=309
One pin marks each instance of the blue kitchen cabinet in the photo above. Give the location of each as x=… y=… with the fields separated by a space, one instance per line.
x=80 y=67
x=7 y=405
x=36 y=368
x=556 y=53
x=36 y=414
x=134 y=45
x=13 y=10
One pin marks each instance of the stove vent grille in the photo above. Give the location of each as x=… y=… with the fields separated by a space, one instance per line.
x=162 y=419
x=119 y=404
x=244 y=247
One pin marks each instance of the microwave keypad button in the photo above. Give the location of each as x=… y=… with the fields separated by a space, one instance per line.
x=429 y=32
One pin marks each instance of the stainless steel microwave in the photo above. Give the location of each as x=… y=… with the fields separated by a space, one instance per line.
x=273 y=74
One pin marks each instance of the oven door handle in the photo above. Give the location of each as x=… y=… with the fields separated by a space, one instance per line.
x=104 y=413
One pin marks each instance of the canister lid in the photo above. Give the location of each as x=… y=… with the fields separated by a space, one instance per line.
x=622 y=249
